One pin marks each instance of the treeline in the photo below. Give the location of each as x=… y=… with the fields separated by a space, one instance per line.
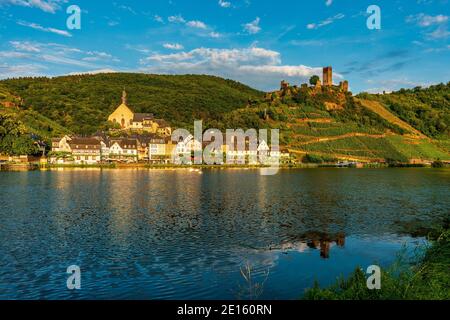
x=82 y=103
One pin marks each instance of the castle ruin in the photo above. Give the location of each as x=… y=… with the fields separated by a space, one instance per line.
x=326 y=84
x=327 y=76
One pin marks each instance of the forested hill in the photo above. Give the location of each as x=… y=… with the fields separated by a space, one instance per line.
x=82 y=103
x=321 y=125
x=426 y=109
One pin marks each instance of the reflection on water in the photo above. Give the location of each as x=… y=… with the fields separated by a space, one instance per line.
x=315 y=240
x=140 y=234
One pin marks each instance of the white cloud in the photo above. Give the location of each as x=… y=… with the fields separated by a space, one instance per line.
x=428 y=21
x=158 y=18
x=54 y=53
x=251 y=55
x=45 y=29
x=325 y=22
x=99 y=71
x=425 y=20
x=288 y=71
x=50 y=6
x=13 y=55
x=113 y=23
x=25 y=46
x=20 y=70
x=439 y=33
x=99 y=56
x=138 y=48
x=63 y=60
x=213 y=34
x=176 y=19
x=253 y=27
x=173 y=46
x=196 y=24
x=224 y=4
x=126 y=8
x=328 y=3
x=259 y=67
x=438 y=50
x=391 y=85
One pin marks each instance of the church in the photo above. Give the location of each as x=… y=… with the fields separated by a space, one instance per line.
x=146 y=122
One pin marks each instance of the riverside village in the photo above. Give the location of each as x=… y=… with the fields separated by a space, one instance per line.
x=143 y=139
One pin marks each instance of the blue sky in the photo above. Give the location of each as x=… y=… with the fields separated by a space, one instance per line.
x=257 y=42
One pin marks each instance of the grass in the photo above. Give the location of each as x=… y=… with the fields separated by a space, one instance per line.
x=369 y=147
x=427 y=278
x=416 y=149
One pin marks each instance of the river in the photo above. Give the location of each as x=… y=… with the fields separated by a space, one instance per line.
x=175 y=234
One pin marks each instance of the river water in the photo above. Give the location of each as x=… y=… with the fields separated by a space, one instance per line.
x=163 y=234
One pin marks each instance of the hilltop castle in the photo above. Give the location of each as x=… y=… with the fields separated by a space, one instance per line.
x=128 y=120
x=328 y=79
x=327 y=82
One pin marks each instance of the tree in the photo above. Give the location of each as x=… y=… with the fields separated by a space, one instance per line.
x=14 y=139
x=314 y=80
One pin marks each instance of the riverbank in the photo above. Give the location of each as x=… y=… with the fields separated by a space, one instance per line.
x=38 y=166
x=426 y=278
x=11 y=167
x=32 y=166
x=19 y=166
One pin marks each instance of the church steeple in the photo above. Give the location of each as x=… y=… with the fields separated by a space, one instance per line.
x=124 y=97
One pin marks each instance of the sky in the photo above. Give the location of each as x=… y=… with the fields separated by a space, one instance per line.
x=257 y=42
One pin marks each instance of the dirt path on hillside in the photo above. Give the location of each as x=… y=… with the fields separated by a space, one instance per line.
x=344 y=136
x=340 y=156
x=379 y=109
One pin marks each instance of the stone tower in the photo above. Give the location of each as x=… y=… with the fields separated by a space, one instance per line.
x=124 y=97
x=284 y=85
x=328 y=76
x=344 y=86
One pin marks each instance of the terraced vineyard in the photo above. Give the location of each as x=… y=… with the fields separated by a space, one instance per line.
x=378 y=108
x=317 y=132
x=406 y=126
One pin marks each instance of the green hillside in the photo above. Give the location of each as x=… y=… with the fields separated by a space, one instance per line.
x=34 y=122
x=315 y=124
x=426 y=109
x=82 y=103
x=21 y=127
x=329 y=125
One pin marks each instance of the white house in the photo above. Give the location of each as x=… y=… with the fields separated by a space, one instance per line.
x=183 y=152
x=61 y=144
x=123 y=150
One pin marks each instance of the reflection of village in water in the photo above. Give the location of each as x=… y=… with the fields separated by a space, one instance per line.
x=312 y=240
